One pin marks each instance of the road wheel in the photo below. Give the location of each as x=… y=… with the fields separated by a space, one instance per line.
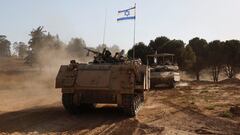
x=68 y=103
x=132 y=104
x=172 y=84
x=132 y=108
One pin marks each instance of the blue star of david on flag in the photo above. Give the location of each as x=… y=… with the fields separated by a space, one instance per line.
x=127 y=14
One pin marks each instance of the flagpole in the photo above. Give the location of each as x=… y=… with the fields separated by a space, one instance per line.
x=105 y=26
x=134 y=35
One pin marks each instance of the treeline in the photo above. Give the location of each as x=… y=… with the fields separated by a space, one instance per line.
x=216 y=56
x=43 y=48
x=4 y=46
x=194 y=57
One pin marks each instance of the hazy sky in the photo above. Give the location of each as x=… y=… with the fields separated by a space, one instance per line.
x=179 y=19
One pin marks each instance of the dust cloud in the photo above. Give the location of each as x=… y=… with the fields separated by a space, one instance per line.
x=24 y=86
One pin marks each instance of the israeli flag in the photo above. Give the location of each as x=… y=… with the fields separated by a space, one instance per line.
x=127 y=14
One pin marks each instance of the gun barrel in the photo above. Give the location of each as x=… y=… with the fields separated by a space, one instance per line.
x=89 y=50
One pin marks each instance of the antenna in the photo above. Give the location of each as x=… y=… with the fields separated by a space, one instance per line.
x=134 y=35
x=105 y=27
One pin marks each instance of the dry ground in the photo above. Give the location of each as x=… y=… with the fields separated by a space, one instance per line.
x=30 y=105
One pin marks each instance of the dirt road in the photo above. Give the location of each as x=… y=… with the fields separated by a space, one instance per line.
x=164 y=112
x=31 y=105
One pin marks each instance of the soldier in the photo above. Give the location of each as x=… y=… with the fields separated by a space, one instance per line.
x=73 y=65
x=108 y=56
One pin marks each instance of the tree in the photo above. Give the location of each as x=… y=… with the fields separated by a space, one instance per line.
x=157 y=44
x=4 y=46
x=21 y=49
x=51 y=42
x=40 y=45
x=231 y=57
x=199 y=46
x=37 y=36
x=189 y=58
x=215 y=58
x=175 y=47
x=35 y=45
x=76 y=47
x=141 y=52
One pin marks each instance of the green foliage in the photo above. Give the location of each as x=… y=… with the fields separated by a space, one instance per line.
x=157 y=44
x=232 y=52
x=189 y=57
x=4 y=46
x=226 y=114
x=39 y=40
x=199 y=46
x=21 y=49
x=215 y=51
x=215 y=58
x=41 y=44
x=37 y=35
x=141 y=50
x=231 y=57
x=211 y=107
x=193 y=58
x=161 y=45
x=175 y=47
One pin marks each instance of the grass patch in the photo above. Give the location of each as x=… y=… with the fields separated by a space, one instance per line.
x=203 y=91
x=226 y=114
x=211 y=107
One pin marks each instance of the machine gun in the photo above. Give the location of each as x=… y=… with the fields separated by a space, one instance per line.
x=99 y=57
x=92 y=51
x=106 y=57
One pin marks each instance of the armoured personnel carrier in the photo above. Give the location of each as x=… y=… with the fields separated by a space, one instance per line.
x=107 y=80
x=163 y=70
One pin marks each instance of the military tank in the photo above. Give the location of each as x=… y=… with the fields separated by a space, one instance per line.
x=163 y=70
x=107 y=80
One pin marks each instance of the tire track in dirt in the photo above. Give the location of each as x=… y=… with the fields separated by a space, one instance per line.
x=54 y=118
x=189 y=119
x=131 y=127
x=159 y=115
